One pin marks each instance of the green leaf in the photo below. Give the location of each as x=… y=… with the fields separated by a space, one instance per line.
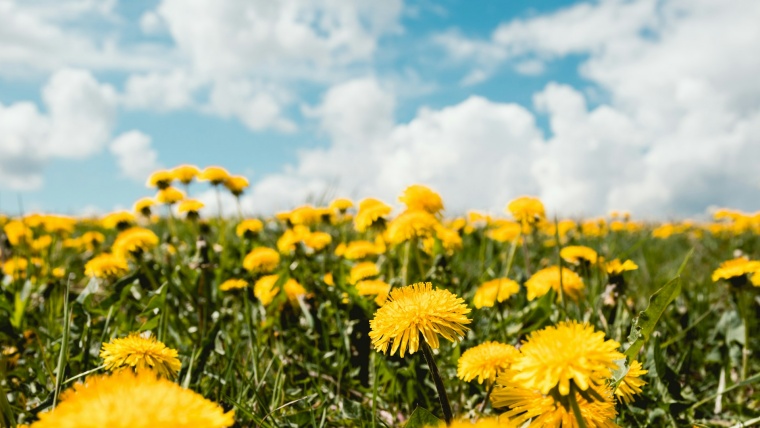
x=421 y=418
x=644 y=325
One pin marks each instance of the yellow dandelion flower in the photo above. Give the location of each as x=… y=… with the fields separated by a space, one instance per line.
x=140 y=354
x=737 y=267
x=505 y=232
x=615 y=267
x=16 y=267
x=411 y=224
x=527 y=209
x=58 y=272
x=118 y=220
x=261 y=260
x=249 y=228
x=293 y=289
x=361 y=271
x=216 y=175
x=492 y=422
x=58 y=224
x=356 y=250
x=264 y=289
x=499 y=289
x=190 y=207
x=304 y=215
x=106 y=266
x=185 y=173
x=134 y=240
x=419 y=197
x=577 y=254
x=450 y=239
x=92 y=240
x=128 y=400
x=169 y=195
x=160 y=179
x=486 y=361
x=549 y=278
x=416 y=310
x=287 y=242
x=233 y=284
x=631 y=383
x=570 y=351
x=142 y=206
x=374 y=287
x=42 y=242
x=541 y=410
x=317 y=240
x=328 y=279
x=341 y=204
x=755 y=279
x=370 y=211
x=236 y=184
x=17 y=232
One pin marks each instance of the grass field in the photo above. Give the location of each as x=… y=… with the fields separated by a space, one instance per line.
x=289 y=336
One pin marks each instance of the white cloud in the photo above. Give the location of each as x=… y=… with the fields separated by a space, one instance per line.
x=161 y=91
x=135 y=156
x=77 y=124
x=257 y=106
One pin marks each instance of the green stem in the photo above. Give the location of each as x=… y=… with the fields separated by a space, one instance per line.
x=576 y=409
x=442 y=397
x=488 y=395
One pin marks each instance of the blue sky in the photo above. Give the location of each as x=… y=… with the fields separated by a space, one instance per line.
x=592 y=106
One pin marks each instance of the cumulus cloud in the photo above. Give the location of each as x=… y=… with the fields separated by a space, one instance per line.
x=134 y=154
x=77 y=123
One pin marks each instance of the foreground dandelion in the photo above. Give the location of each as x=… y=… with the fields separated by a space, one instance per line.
x=141 y=354
x=736 y=270
x=128 y=400
x=631 y=384
x=412 y=318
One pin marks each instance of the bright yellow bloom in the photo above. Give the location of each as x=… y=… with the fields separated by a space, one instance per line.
x=341 y=204
x=287 y=242
x=615 y=267
x=416 y=310
x=450 y=239
x=419 y=197
x=576 y=254
x=16 y=267
x=185 y=173
x=505 y=232
x=374 y=287
x=236 y=184
x=543 y=411
x=361 y=271
x=160 y=180
x=264 y=289
x=261 y=260
x=360 y=249
x=190 y=206
x=499 y=289
x=293 y=289
x=549 y=278
x=304 y=215
x=249 y=227
x=317 y=240
x=233 y=284
x=118 y=220
x=58 y=272
x=106 y=266
x=411 y=224
x=92 y=239
x=134 y=240
x=17 y=232
x=214 y=174
x=128 y=400
x=42 y=242
x=526 y=209
x=58 y=224
x=328 y=279
x=570 y=351
x=485 y=361
x=170 y=195
x=142 y=206
x=737 y=267
x=370 y=211
x=140 y=354
x=631 y=384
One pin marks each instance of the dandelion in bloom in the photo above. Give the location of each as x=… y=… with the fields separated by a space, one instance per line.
x=190 y=207
x=134 y=241
x=317 y=240
x=490 y=422
x=293 y=290
x=261 y=260
x=169 y=196
x=140 y=354
x=411 y=224
x=106 y=266
x=505 y=232
x=549 y=278
x=119 y=220
x=486 y=361
x=233 y=284
x=341 y=205
x=371 y=211
x=356 y=250
x=185 y=174
x=527 y=210
x=374 y=287
x=17 y=232
x=264 y=289
x=631 y=383
x=570 y=352
x=419 y=197
x=328 y=279
x=418 y=310
x=236 y=184
x=578 y=254
x=361 y=271
x=248 y=228
x=216 y=175
x=735 y=270
x=616 y=267
x=142 y=206
x=495 y=290
x=128 y=400
x=160 y=180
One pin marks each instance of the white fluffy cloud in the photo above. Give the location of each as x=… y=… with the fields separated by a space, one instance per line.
x=134 y=154
x=76 y=124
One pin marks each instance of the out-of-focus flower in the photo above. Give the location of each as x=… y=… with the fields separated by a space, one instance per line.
x=134 y=241
x=190 y=207
x=738 y=267
x=216 y=175
x=577 y=254
x=169 y=195
x=160 y=180
x=419 y=197
x=486 y=361
x=374 y=287
x=549 y=278
x=249 y=228
x=499 y=289
x=142 y=206
x=118 y=220
x=616 y=267
x=185 y=173
x=233 y=284
x=261 y=260
x=370 y=211
x=341 y=204
x=361 y=271
x=106 y=265
x=527 y=210
x=264 y=289
x=411 y=224
x=236 y=184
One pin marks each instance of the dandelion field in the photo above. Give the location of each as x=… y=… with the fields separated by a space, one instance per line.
x=322 y=316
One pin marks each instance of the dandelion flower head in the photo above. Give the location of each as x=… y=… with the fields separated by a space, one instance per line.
x=527 y=209
x=249 y=227
x=577 y=254
x=169 y=195
x=495 y=290
x=616 y=267
x=486 y=361
x=737 y=267
x=106 y=265
x=160 y=179
x=374 y=287
x=549 y=278
x=185 y=173
x=631 y=383
x=370 y=211
x=236 y=184
x=233 y=284
x=214 y=174
x=261 y=260
x=140 y=353
x=419 y=197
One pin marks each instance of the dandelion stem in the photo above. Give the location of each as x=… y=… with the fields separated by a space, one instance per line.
x=488 y=395
x=439 y=386
x=576 y=409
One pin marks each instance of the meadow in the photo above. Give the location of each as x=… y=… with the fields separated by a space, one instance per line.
x=348 y=314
